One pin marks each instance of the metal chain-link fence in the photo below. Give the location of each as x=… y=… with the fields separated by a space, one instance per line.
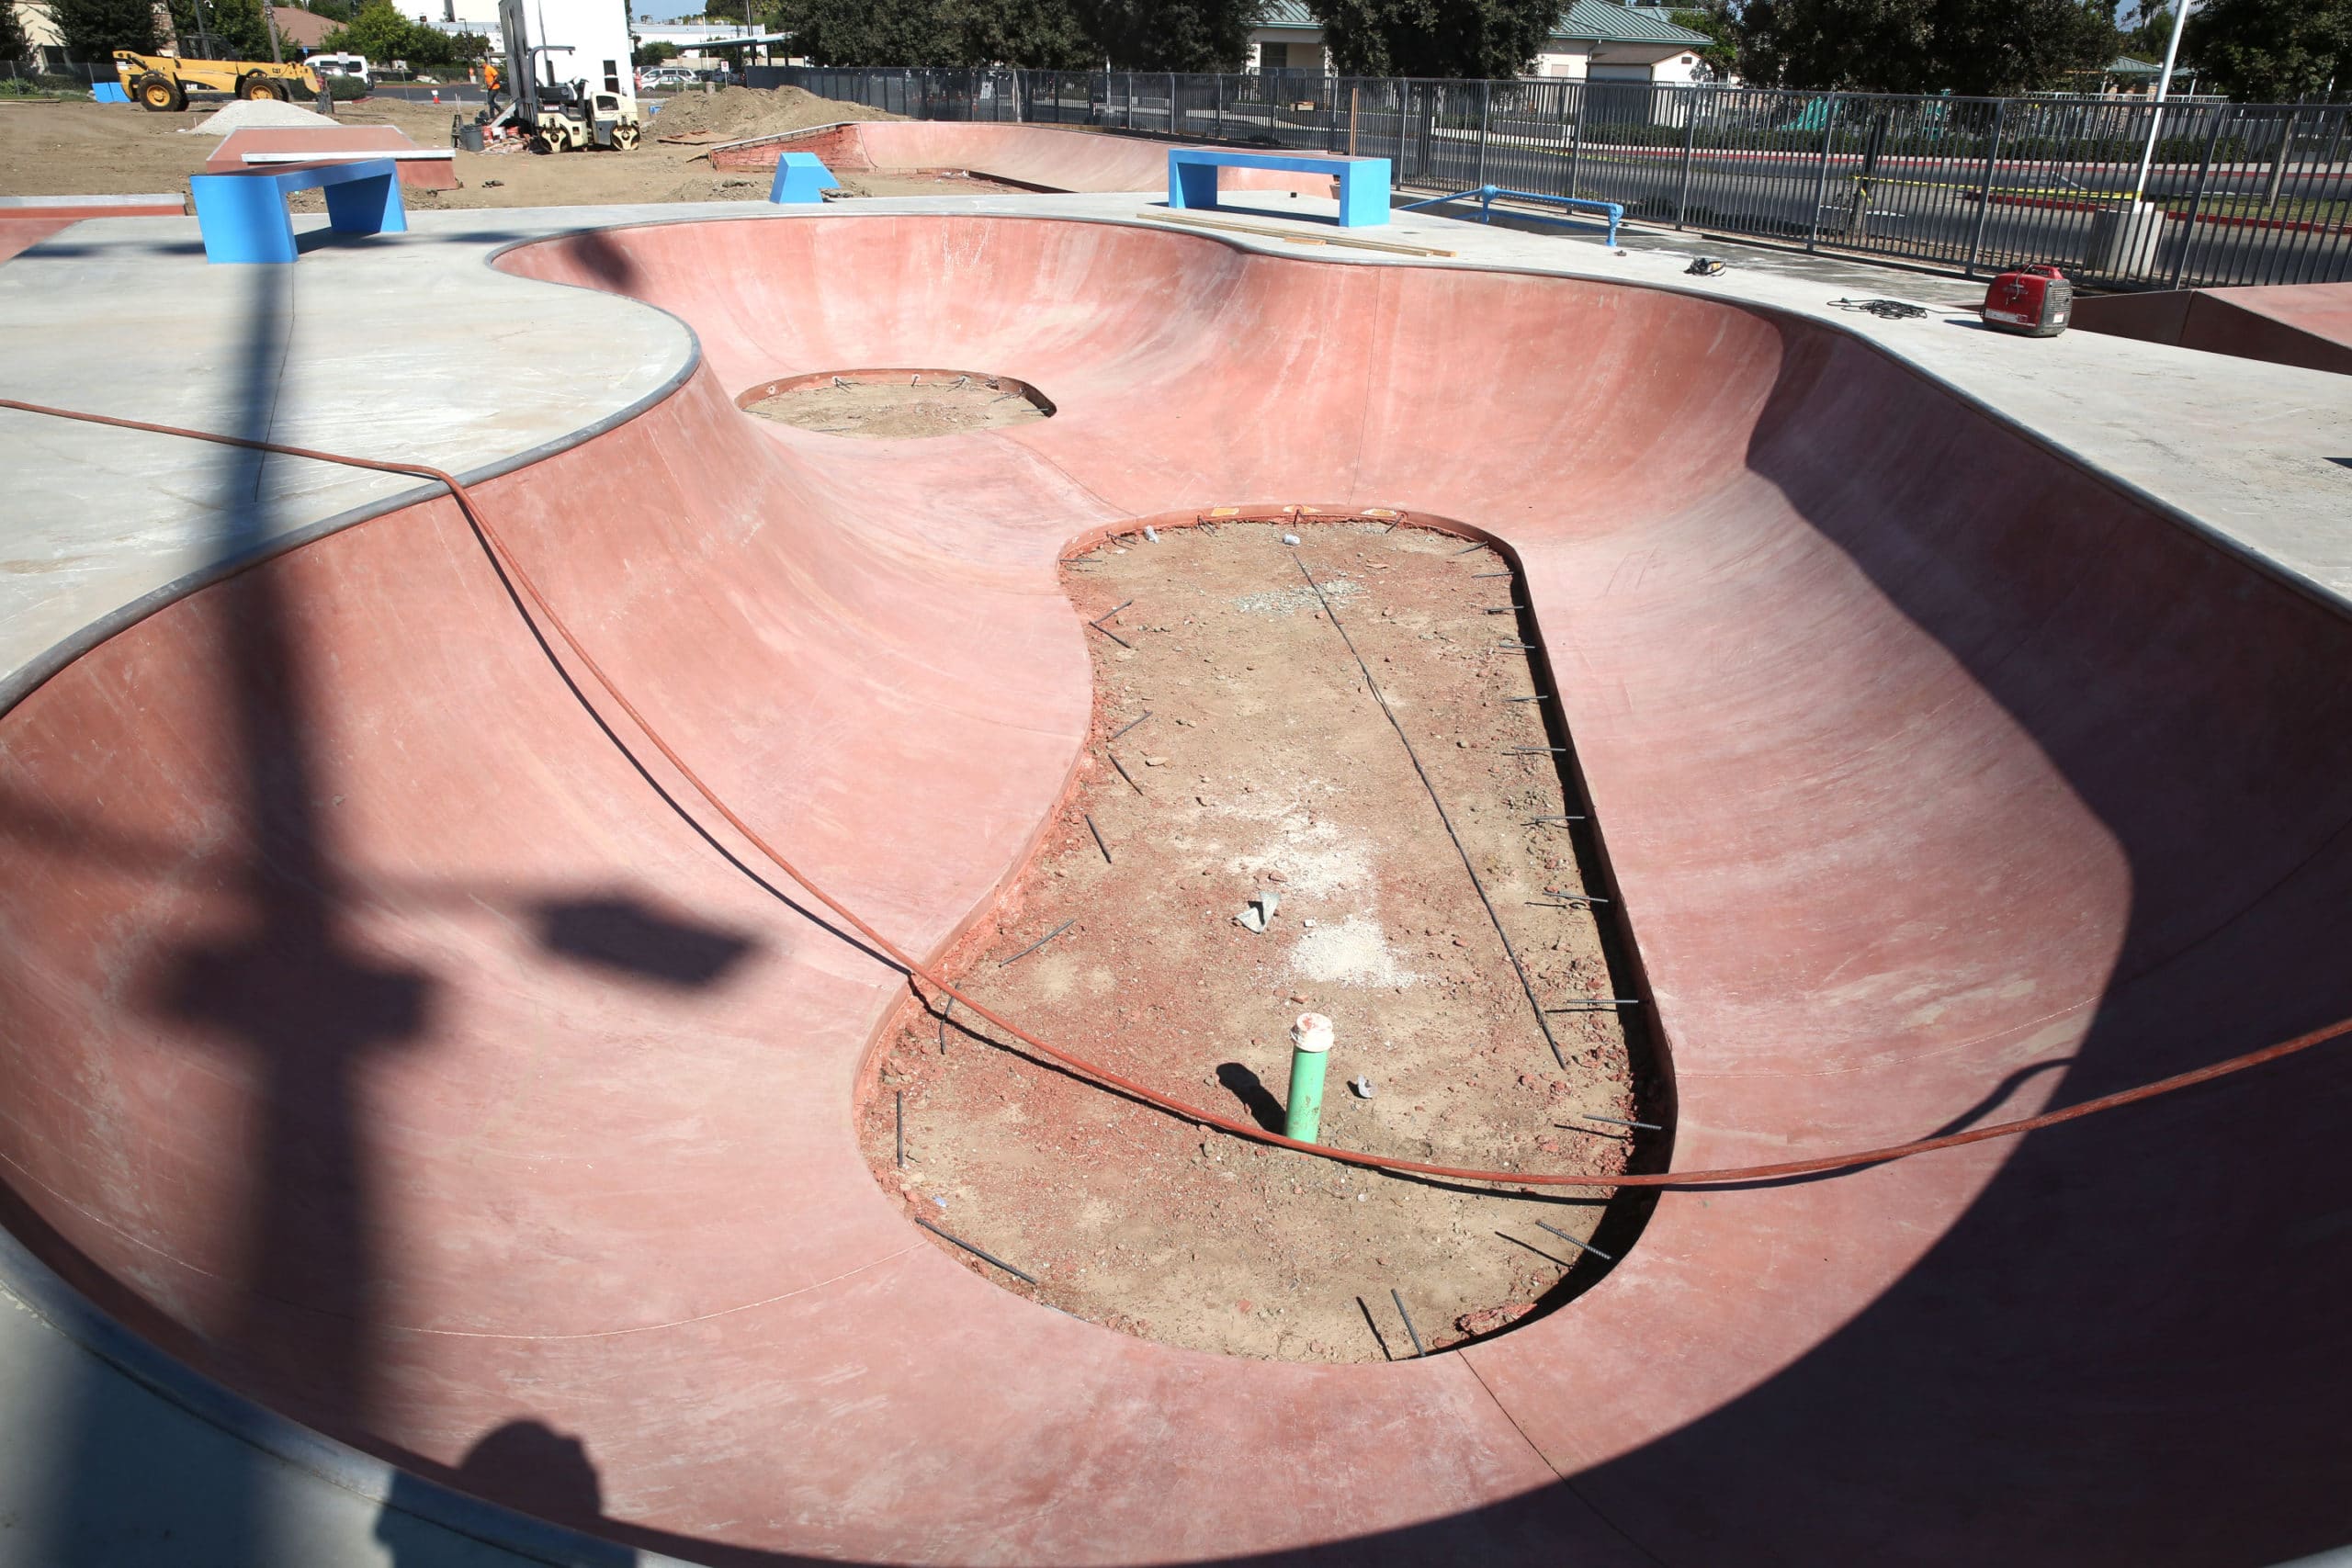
x=2232 y=193
x=51 y=74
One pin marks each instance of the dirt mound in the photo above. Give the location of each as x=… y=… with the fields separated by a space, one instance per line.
x=732 y=113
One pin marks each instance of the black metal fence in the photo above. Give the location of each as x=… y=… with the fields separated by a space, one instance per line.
x=2232 y=193
x=50 y=74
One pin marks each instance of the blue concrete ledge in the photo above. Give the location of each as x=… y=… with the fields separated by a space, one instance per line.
x=1363 y=181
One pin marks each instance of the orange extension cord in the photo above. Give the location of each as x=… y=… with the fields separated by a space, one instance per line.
x=505 y=556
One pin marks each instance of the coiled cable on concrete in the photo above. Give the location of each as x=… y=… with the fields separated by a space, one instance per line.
x=504 y=559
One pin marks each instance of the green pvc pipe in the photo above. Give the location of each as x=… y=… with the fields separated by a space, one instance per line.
x=1310 y=1048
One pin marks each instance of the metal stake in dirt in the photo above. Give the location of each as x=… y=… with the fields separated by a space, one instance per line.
x=1310 y=1045
x=1415 y=1333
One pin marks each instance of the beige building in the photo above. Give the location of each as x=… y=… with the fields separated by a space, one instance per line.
x=1595 y=39
x=40 y=29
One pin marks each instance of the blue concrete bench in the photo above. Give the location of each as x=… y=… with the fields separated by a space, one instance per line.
x=242 y=213
x=1363 y=181
x=801 y=178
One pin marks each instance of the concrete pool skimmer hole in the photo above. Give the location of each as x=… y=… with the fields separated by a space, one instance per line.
x=1247 y=844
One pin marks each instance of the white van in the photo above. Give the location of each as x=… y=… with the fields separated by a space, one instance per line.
x=353 y=65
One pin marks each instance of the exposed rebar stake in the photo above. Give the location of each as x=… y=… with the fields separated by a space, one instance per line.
x=984 y=1257
x=1579 y=1245
x=1036 y=944
x=1620 y=1122
x=1416 y=1334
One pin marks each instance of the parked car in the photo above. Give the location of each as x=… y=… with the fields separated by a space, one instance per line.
x=666 y=79
x=352 y=66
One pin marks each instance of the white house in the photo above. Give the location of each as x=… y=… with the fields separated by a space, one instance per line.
x=1596 y=40
x=570 y=40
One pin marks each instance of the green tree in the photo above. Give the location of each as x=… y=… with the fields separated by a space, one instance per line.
x=2005 y=47
x=1719 y=22
x=2270 y=51
x=332 y=10
x=1865 y=45
x=1043 y=34
x=221 y=29
x=15 y=49
x=644 y=56
x=381 y=34
x=2148 y=33
x=1434 y=38
x=1149 y=35
x=872 y=32
x=93 y=30
x=1988 y=47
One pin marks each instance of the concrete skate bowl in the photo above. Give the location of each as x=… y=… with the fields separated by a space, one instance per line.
x=1036 y=157
x=382 y=1042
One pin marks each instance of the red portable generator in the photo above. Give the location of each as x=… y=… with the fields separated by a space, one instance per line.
x=2034 y=302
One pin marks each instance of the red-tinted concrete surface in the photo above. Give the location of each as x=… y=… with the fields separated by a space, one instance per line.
x=418 y=174
x=20 y=234
x=381 y=1041
x=2307 y=324
x=1040 y=157
x=22 y=228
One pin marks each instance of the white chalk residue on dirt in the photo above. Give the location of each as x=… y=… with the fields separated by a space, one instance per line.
x=1354 y=952
x=1291 y=600
x=1313 y=858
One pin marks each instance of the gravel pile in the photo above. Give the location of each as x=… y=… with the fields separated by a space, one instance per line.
x=257 y=114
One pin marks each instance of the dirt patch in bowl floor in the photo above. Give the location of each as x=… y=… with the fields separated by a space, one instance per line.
x=897 y=409
x=1266 y=766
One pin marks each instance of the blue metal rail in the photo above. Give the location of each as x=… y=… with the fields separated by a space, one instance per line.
x=1613 y=211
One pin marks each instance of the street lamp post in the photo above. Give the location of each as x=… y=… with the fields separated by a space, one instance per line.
x=2164 y=86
